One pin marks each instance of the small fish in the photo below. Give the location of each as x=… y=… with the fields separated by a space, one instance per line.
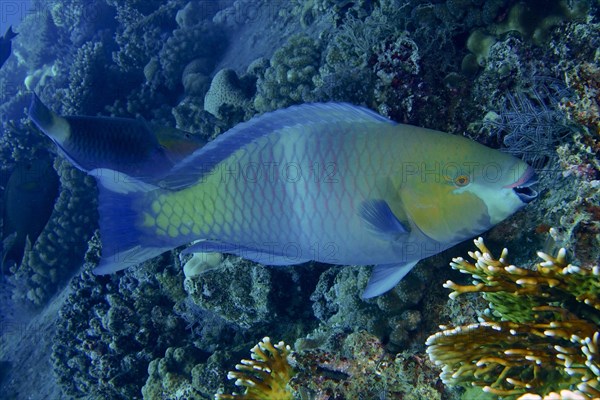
x=6 y=45
x=129 y=146
x=331 y=182
x=27 y=203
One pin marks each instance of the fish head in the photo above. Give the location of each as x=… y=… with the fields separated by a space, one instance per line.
x=462 y=188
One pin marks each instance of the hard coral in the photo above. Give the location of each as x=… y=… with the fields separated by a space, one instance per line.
x=186 y=45
x=584 y=79
x=227 y=88
x=290 y=78
x=245 y=301
x=396 y=64
x=265 y=376
x=357 y=366
x=60 y=247
x=111 y=327
x=540 y=334
x=395 y=315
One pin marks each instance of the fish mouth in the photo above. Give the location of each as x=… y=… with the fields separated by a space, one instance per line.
x=523 y=187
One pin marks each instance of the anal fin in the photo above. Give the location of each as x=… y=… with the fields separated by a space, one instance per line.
x=385 y=276
x=261 y=256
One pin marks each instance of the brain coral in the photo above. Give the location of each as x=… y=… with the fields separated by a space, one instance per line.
x=227 y=89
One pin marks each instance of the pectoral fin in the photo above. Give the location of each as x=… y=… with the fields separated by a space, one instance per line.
x=381 y=220
x=384 y=277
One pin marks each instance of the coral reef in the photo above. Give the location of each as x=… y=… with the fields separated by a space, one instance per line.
x=531 y=124
x=204 y=40
x=43 y=41
x=397 y=87
x=185 y=373
x=265 y=376
x=244 y=301
x=532 y=19
x=356 y=366
x=169 y=377
x=190 y=116
x=257 y=296
x=336 y=10
x=200 y=263
x=60 y=248
x=139 y=34
x=584 y=108
x=395 y=316
x=539 y=335
x=88 y=89
x=227 y=89
x=155 y=59
x=289 y=79
x=111 y=327
x=82 y=20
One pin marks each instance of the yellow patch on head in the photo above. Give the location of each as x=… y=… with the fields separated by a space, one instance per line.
x=442 y=211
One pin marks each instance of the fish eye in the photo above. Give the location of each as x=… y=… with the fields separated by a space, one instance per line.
x=462 y=180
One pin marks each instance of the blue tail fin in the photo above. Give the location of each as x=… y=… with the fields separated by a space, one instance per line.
x=123 y=243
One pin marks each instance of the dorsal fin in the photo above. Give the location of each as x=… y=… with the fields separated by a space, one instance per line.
x=200 y=163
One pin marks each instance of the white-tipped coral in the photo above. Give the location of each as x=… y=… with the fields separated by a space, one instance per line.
x=265 y=376
x=540 y=336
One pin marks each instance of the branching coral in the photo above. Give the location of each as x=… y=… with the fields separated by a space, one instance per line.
x=265 y=376
x=540 y=336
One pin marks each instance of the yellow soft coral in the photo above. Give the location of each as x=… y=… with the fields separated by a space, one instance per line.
x=265 y=376
x=540 y=336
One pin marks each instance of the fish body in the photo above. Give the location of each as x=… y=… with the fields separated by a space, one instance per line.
x=334 y=183
x=6 y=45
x=130 y=146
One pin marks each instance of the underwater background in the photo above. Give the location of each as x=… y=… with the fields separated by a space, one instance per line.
x=520 y=76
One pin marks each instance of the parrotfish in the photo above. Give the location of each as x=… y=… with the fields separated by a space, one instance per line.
x=6 y=45
x=131 y=146
x=329 y=182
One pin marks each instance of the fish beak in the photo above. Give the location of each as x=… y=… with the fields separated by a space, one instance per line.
x=523 y=187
